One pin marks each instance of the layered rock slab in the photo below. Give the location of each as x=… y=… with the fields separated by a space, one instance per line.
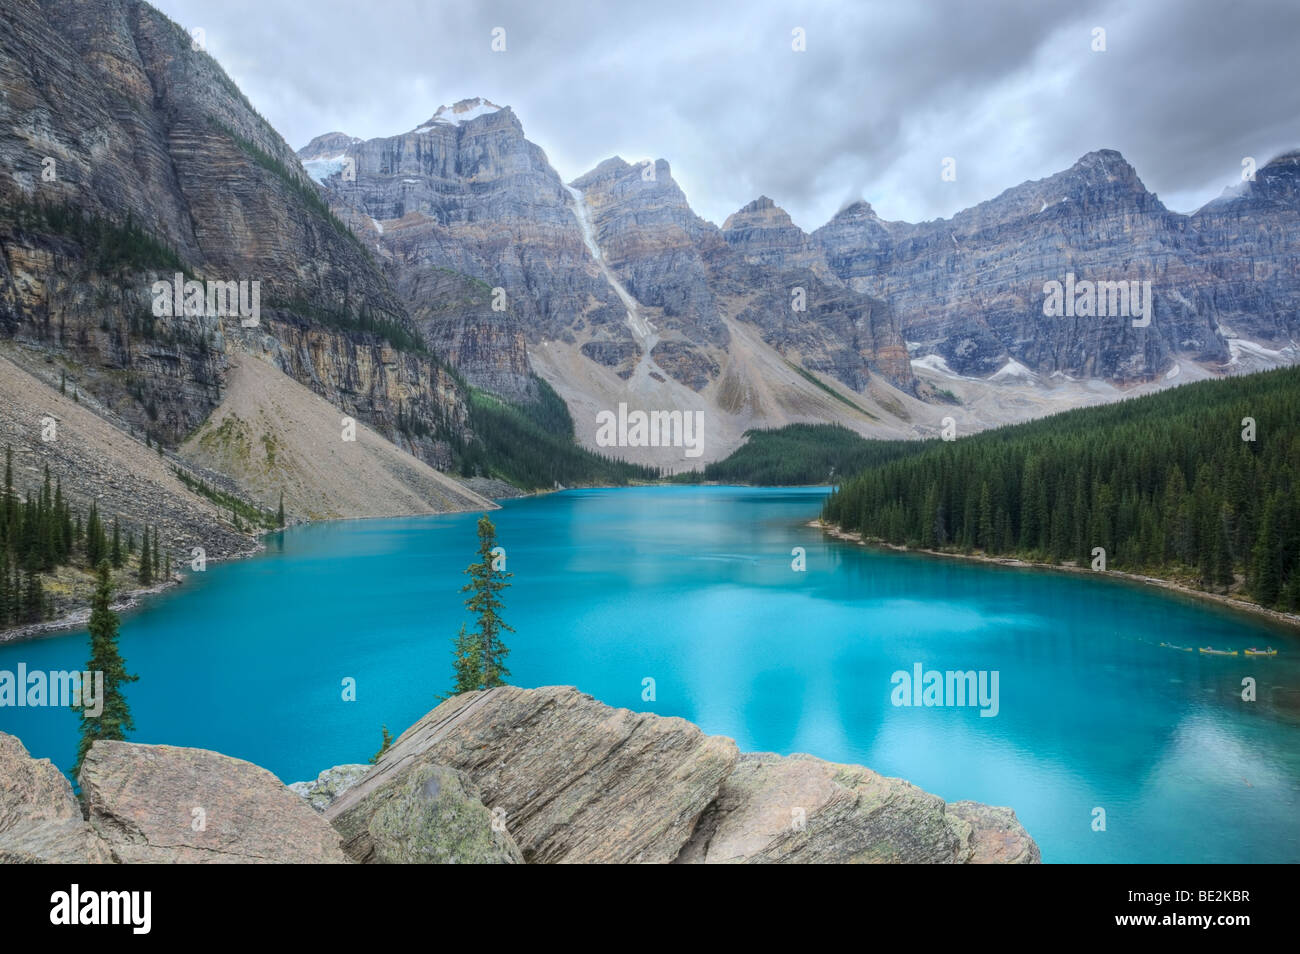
x=162 y=804
x=40 y=820
x=573 y=780
x=801 y=809
x=425 y=814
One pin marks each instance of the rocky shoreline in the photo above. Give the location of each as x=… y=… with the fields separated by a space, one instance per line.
x=1228 y=602
x=501 y=776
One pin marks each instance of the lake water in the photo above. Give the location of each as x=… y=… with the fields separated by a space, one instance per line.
x=693 y=588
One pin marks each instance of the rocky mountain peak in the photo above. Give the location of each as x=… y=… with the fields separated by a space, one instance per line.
x=761 y=213
x=1101 y=168
x=760 y=204
x=861 y=209
x=327 y=145
x=464 y=111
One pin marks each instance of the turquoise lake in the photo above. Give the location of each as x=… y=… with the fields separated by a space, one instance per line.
x=693 y=587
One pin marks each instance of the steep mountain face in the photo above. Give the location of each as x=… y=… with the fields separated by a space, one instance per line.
x=764 y=234
x=466 y=192
x=1249 y=239
x=129 y=156
x=611 y=287
x=970 y=289
x=759 y=269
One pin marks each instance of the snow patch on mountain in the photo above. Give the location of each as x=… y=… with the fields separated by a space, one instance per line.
x=464 y=111
x=936 y=363
x=1013 y=369
x=322 y=169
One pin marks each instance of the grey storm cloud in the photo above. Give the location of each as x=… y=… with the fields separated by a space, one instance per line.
x=883 y=93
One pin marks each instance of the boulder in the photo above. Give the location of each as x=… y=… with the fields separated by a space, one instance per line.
x=573 y=780
x=40 y=820
x=425 y=814
x=163 y=804
x=997 y=837
x=329 y=784
x=801 y=809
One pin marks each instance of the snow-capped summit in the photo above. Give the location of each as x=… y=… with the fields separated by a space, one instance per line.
x=457 y=113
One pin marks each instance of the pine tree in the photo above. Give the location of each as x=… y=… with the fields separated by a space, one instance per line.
x=114 y=720
x=1265 y=584
x=485 y=587
x=115 y=551
x=6 y=594
x=467 y=663
x=146 y=561
x=33 y=598
x=279 y=517
x=94 y=537
x=157 y=555
x=386 y=743
x=986 y=539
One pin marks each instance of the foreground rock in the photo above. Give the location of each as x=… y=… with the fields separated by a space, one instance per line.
x=40 y=820
x=162 y=804
x=425 y=814
x=574 y=780
x=800 y=809
x=997 y=837
x=330 y=784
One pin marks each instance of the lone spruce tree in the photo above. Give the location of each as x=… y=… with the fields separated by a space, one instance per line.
x=146 y=561
x=480 y=655
x=114 y=720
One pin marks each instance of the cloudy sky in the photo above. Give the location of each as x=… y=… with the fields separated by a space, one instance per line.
x=881 y=95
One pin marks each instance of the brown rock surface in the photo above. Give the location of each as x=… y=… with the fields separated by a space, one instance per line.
x=800 y=809
x=40 y=820
x=142 y=800
x=578 y=781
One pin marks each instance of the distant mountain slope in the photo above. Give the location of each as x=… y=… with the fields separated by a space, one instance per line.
x=126 y=156
x=273 y=435
x=970 y=289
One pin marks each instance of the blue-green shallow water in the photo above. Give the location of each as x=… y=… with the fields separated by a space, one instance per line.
x=693 y=587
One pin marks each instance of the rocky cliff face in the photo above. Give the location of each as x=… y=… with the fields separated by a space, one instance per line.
x=109 y=111
x=610 y=286
x=759 y=268
x=461 y=205
x=970 y=288
x=1249 y=243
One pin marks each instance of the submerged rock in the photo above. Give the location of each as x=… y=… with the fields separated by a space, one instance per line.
x=425 y=814
x=40 y=820
x=163 y=804
x=572 y=779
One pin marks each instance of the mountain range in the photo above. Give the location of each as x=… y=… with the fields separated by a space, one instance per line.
x=617 y=291
x=403 y=275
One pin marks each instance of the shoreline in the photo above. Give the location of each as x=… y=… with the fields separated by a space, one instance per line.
x=1290 y=620
x=135 y=599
